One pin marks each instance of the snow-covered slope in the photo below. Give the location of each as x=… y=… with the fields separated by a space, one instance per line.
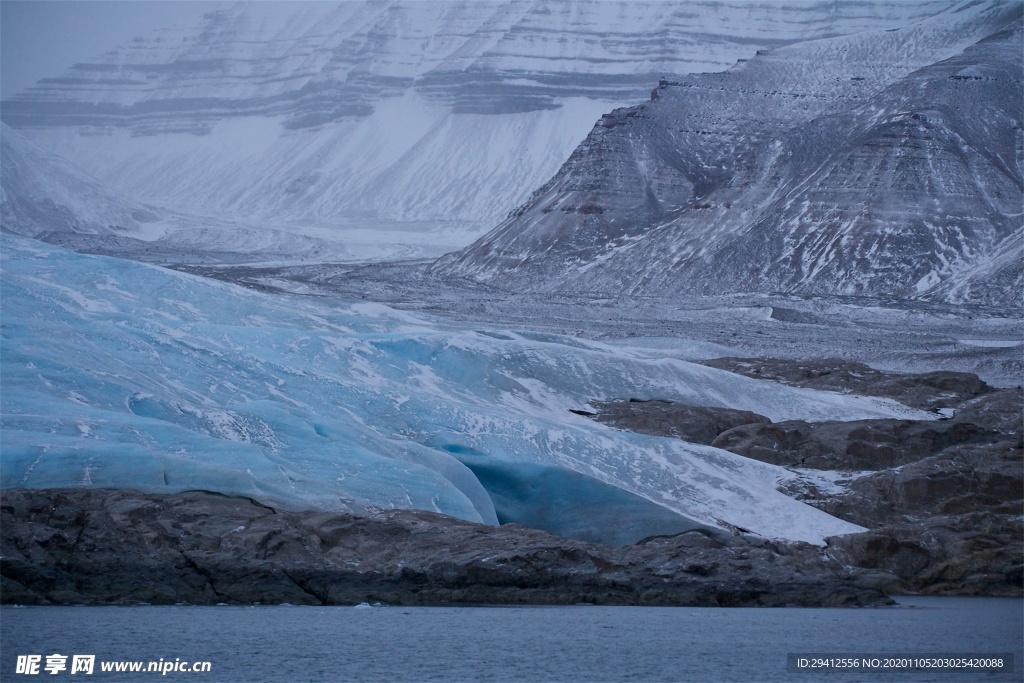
x=317 y=116
x=117 y=374
x=47 y=197
x=886 y=163
x=43 y=193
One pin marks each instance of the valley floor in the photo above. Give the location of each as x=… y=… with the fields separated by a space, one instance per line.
x=887 y=335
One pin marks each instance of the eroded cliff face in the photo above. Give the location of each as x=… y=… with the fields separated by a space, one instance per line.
x=885 y=163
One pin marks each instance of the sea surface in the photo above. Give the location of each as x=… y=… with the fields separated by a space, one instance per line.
x=584 y=643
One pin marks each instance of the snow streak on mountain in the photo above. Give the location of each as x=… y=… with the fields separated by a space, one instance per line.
x=886 y=163
x=432 y=116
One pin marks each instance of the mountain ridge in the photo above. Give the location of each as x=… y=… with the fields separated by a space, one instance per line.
x=688 y=193
x=317 y=118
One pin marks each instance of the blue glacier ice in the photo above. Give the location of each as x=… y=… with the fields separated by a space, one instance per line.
x=117 y=374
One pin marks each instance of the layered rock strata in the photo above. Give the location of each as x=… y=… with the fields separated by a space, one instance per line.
x=885 y=163
x=342 y=114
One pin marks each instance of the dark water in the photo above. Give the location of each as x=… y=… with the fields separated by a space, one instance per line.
x=508 y=644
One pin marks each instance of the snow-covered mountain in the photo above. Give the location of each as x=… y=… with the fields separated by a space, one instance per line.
x=42 y=193
x=134 y=376
x=47 y=197
x=425 y=116
x=887 y=163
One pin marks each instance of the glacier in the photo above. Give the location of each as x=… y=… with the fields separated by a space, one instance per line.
x=316 y=133
x=118 y=374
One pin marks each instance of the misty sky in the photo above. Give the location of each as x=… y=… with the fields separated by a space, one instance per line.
x=41 y=38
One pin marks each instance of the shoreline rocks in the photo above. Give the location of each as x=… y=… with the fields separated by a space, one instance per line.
x=85 y=546
x=942 y=501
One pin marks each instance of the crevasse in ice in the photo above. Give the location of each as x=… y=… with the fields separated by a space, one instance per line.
x=118 y=374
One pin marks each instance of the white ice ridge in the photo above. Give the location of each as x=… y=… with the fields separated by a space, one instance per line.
x=118 y=374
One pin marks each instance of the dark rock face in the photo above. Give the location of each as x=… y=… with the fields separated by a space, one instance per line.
x=982 y=417
x=927 y=391
x=857 y=445
x=73 y=546
x=942 y=499
x=661 y=418
x=973 y=554
x=960 y=480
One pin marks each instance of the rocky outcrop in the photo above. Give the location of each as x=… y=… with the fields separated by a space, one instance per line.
x=77 y=546
x=973 y=554
x=942 y=499
x=927 y=391
x=695 y=424
x=856 y=445
x=958 y=481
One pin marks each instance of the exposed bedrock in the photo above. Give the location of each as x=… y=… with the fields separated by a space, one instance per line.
x=958 y=481
x=854 y=445
x=77 y=546
x=928 y=391
x=695 y=424
x=942 y=499
x=857 y=445
x=973 y=554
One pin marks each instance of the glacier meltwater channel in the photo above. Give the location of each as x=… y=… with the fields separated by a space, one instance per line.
x=117 y=374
